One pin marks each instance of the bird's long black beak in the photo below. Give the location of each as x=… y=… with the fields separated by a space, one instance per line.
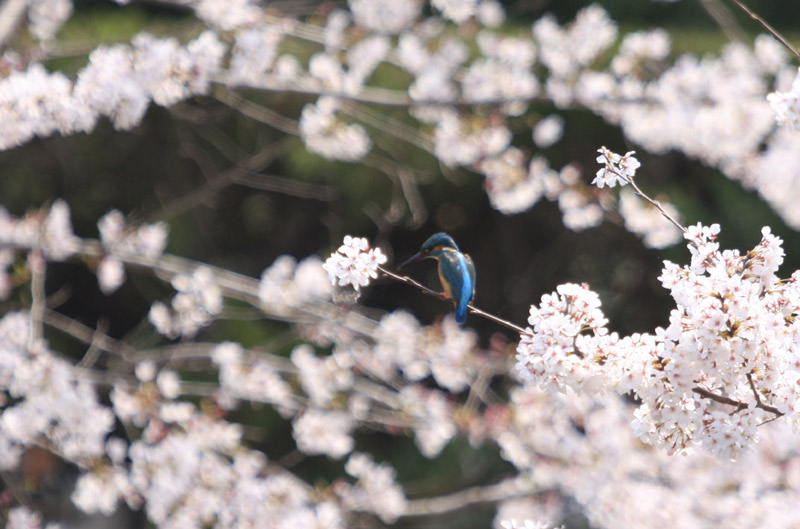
x=413 y=258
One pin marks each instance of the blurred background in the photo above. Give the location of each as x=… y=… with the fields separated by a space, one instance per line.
x=176 y=167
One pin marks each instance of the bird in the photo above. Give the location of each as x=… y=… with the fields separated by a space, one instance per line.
x=456 y=270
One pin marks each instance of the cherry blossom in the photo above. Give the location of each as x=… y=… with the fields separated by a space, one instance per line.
x=354 y=263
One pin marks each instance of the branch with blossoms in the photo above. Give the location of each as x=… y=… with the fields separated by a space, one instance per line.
x=464 y=92
x=166 y=443
x=724 y=345
x=162 y=431
x=556 y=353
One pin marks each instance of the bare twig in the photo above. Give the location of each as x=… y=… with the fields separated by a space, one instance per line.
x=253 y=163
x=93 y=352
x=655 y=203
x=472 y=308
x=38 y=266
x=510 y=488
x=257 y=112
x=96 y=338
x=766 y=26
x=285 y=186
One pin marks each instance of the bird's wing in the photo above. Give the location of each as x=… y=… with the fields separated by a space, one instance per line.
x=471 y=270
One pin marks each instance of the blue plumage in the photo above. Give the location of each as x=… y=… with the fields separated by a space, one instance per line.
x=456 y=270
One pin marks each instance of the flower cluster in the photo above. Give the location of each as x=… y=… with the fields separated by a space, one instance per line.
x=324 y=134
x=554 y=351
x=326 y=432
x=148 y=240
x=44 y=399
x=504 y=74
x=354 y=263
x=548 y=131
x=287 y=285
x=433 y=68
x=589 y=452
x=639 y=47
x=253 y=54
x=24 y=518
x=118 y=82
x=724 y=365
x=786 y=105
x=49 y=231
x=47 y=17
x=252 y=379
x=463 y=142
x=198 y=301
x=375 y=491
x=385 y=17
x=617 y=169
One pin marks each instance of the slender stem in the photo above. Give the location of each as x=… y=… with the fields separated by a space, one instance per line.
x=753 y=387
x=95 y=338
x=510 y=488
x=766 y=26
x=38 y=266
x=655 y=203
x=732 y=402
x=472 y=308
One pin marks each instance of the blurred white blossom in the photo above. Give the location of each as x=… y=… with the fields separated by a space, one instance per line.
x=48 y=16
x=287 y=285
x=385 y=16
x=194 y=306
x=24 y=518
x=324 y=134
x=375 y=490
x=548 y=131
x=319 y=431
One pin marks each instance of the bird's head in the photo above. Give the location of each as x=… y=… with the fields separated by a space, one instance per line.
x=433 y=247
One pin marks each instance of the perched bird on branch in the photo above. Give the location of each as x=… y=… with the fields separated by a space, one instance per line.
x=456 y=270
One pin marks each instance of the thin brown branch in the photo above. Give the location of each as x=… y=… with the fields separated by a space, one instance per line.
x=766 y=26
x=753 y=387
x=655 y=203
x=472 y=308
x=732 y=402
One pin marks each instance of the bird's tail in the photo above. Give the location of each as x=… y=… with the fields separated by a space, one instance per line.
x=461 y=313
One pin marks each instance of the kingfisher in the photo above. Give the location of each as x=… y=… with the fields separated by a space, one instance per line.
x=456 y=270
